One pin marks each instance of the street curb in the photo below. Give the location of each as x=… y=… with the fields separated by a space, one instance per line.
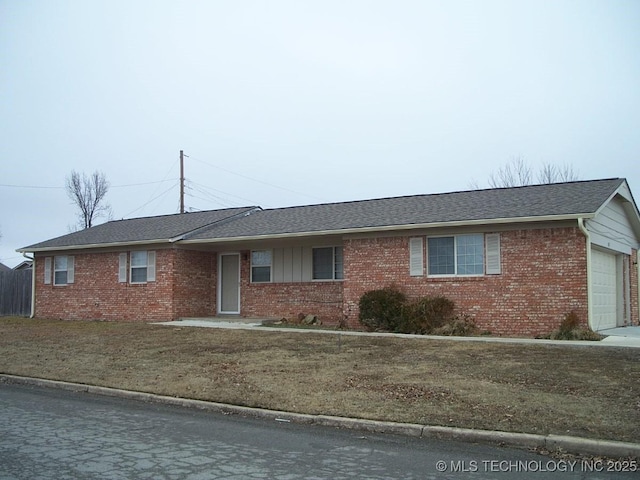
x=566 y=444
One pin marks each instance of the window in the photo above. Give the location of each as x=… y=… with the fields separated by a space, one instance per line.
x=328 y=263
x=261 y=266
x=456 y=255
x=62 y=270
x=142 y=267
x=138 y=267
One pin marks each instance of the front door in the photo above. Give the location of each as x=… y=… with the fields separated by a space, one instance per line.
x=229 y=283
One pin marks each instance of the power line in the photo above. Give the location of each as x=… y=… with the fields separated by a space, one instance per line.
x=62 y=188
x=207 y=190
x=165 y=178
x=30 y=186
x=257 y=181
x=140 y=184
x=152 y=199
x=211 y=197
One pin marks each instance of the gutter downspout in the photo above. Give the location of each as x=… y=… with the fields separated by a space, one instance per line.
x=33 y=284
x=585 y=232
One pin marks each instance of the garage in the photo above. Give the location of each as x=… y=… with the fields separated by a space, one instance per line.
x=605 y=291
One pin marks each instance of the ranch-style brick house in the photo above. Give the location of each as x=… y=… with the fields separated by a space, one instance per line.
x=516 y=259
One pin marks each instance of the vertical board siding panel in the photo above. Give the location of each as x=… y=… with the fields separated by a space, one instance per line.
x=277 y=259
x=307 y=264
x=287 y=262
x=296 y=260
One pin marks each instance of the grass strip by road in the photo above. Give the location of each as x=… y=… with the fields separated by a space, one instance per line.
x=541 y=389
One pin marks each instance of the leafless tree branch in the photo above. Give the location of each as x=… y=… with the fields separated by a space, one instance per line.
x=513 y=174
x=88 y=194
x=518 y=173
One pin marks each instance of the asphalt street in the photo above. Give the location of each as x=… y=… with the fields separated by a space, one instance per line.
x=53 y=434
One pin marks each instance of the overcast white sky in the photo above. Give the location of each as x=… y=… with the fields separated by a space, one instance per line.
x=281 y=103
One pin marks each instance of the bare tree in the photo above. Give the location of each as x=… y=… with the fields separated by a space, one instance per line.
x=518 y=173
x=88 y=194
x=550 y=173
x=513 y=174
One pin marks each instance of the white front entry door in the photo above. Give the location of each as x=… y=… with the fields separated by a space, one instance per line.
x=229 y=283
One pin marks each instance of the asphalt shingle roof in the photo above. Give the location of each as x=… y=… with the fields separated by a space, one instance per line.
x=550 y=200
x=573 y=198
x=163 y=227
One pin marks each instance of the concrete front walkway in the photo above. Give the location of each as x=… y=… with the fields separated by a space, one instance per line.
x=616 y=337
x=633 y=331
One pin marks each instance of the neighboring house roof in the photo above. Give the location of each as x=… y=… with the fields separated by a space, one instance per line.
x=560 y=201
x=24 y=265
x=165 y=228
x=550 y=201
x=4 y=268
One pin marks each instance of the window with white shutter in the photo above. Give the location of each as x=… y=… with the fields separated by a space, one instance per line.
x=122 y=267
x=151 y=266
x=416 y=257
x=47 y=271
x=493 y=261
x=71 y=270
x=63 y=270
x=142 y=267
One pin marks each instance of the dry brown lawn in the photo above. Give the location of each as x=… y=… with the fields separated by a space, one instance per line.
x=591 y=392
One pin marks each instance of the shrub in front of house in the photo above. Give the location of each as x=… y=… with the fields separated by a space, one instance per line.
x=388 y=309
x=382 y=309
x=460 y=326
x=570 y=329
x=426 y=315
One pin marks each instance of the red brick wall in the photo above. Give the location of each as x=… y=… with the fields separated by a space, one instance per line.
x=194 y=287
x=184 y=287
x=287 y=300
x=543 y=278
x=96 y=293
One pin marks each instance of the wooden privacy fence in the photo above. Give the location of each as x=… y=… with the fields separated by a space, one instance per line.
x=15 y=292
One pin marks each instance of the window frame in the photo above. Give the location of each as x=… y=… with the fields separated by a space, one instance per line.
x=50 y=270
x=337 y=259
x=57 y=270
x=254 y=266
x=149 y=267
x=133 y=267
x=456 y=254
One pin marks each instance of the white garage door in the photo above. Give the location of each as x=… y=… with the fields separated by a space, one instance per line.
x=605 y=299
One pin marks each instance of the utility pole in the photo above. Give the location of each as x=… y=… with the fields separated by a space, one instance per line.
x=181 y=181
